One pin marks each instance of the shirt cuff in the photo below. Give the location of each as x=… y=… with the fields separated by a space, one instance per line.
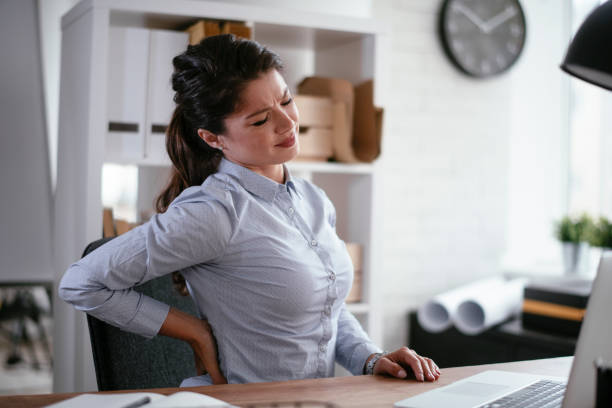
x=149 y=318
x=360 y=355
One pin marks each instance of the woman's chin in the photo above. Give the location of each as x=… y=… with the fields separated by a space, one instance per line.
x=290 y=153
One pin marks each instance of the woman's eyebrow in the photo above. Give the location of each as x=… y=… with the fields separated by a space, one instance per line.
x=267 y=107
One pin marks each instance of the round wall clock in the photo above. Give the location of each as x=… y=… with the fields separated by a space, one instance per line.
x=482 y=37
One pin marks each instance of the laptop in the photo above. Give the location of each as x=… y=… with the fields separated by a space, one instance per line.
x=504 y=388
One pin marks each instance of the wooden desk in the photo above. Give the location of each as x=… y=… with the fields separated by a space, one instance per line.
x=360 y=391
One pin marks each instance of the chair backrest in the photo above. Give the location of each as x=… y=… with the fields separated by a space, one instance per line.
x=127 y=361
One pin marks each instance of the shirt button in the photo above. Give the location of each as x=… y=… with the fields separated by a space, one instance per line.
x=322 y=348
x=314 y=243
x=332 y=276
x=327 y=310
x=291 y=210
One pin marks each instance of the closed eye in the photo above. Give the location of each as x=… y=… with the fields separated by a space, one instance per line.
x=287 y=102
x=261 y=122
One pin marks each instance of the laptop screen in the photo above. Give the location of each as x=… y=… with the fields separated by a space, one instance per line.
x=595 y=340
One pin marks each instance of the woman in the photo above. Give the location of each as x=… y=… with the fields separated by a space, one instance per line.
x=257 y=248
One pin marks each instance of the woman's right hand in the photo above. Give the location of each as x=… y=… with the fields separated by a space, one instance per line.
x=205 y=354
x=199 y=335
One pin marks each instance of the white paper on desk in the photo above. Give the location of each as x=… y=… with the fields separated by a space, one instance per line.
x=187 y=399
x=485 y=309
x=182 y=399
x=107 y=400
x=438 y=313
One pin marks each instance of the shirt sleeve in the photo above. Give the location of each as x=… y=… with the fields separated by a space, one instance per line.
x=353 y=346
x=102 y=283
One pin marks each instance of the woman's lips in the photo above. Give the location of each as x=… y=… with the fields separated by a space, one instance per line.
x=290 y=141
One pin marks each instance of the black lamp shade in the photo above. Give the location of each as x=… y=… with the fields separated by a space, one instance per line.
x=589 y=56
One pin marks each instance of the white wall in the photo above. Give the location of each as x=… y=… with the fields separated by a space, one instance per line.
x=540 y=119
x=473 y=168
x=25 y=198
x=49 y=16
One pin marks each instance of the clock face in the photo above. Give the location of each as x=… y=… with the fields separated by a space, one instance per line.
x=482 y=37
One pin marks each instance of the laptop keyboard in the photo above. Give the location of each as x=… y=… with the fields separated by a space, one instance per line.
x=542 y=394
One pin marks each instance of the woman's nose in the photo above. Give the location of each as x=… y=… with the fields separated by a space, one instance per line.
x=284 y=122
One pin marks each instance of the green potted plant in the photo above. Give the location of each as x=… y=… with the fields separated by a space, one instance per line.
x=600 y=239
x=574 y=234
x=601 y=234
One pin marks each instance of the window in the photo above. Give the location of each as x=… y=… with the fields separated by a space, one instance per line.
x=590 y=138
x=119 y=188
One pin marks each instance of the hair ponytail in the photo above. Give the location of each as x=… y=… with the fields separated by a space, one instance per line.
x=190 y=166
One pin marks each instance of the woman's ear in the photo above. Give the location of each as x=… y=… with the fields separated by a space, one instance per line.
x=210 y=138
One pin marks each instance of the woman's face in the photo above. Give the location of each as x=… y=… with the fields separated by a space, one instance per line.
x=262 y=132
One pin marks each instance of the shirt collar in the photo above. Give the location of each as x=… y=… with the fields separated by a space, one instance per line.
x=256 y=183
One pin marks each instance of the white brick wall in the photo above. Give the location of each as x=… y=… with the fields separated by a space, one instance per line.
x=452 y=153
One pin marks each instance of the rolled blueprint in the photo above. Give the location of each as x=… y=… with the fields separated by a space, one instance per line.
x=488 y=308
x=438 y=313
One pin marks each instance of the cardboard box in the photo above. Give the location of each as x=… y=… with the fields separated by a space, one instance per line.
x=367 y=123
x=354 y=295
x=208 y=28
x=356 y=253
x=315 y=111
x=202 y=29
x=238 y=29
x=316 y=127
x=108 y=224
x=342 y=94
x=315 y=144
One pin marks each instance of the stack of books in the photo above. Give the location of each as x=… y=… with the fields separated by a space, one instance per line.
x=556 y=305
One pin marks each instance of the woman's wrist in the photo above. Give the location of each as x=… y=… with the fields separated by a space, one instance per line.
x=368 y=368
x=182 y=326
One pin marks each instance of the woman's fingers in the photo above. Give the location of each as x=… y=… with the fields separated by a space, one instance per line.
x=427 y=371
x=423 y=368
x=386 y=366
x=417 y=367
x=431 y=373
x=434 y=367
x=205 y=363
x=206 y=351
x=210 y=359
x=200 y=370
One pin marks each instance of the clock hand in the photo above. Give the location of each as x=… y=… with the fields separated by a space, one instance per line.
x=500 y=18
x=470 y=15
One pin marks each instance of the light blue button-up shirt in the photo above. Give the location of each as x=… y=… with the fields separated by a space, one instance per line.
x=263 y=264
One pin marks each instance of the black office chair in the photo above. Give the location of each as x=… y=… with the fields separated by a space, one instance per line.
x=127 y=361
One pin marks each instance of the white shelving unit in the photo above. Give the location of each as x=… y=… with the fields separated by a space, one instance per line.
x=309 y=44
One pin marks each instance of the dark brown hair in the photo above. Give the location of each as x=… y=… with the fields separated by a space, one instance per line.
x=208 y=79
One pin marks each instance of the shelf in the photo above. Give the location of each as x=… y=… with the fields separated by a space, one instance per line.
x=139 y=162
x=358 y=308
x=163 y=14
x=294 y=167
x=332 y=168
